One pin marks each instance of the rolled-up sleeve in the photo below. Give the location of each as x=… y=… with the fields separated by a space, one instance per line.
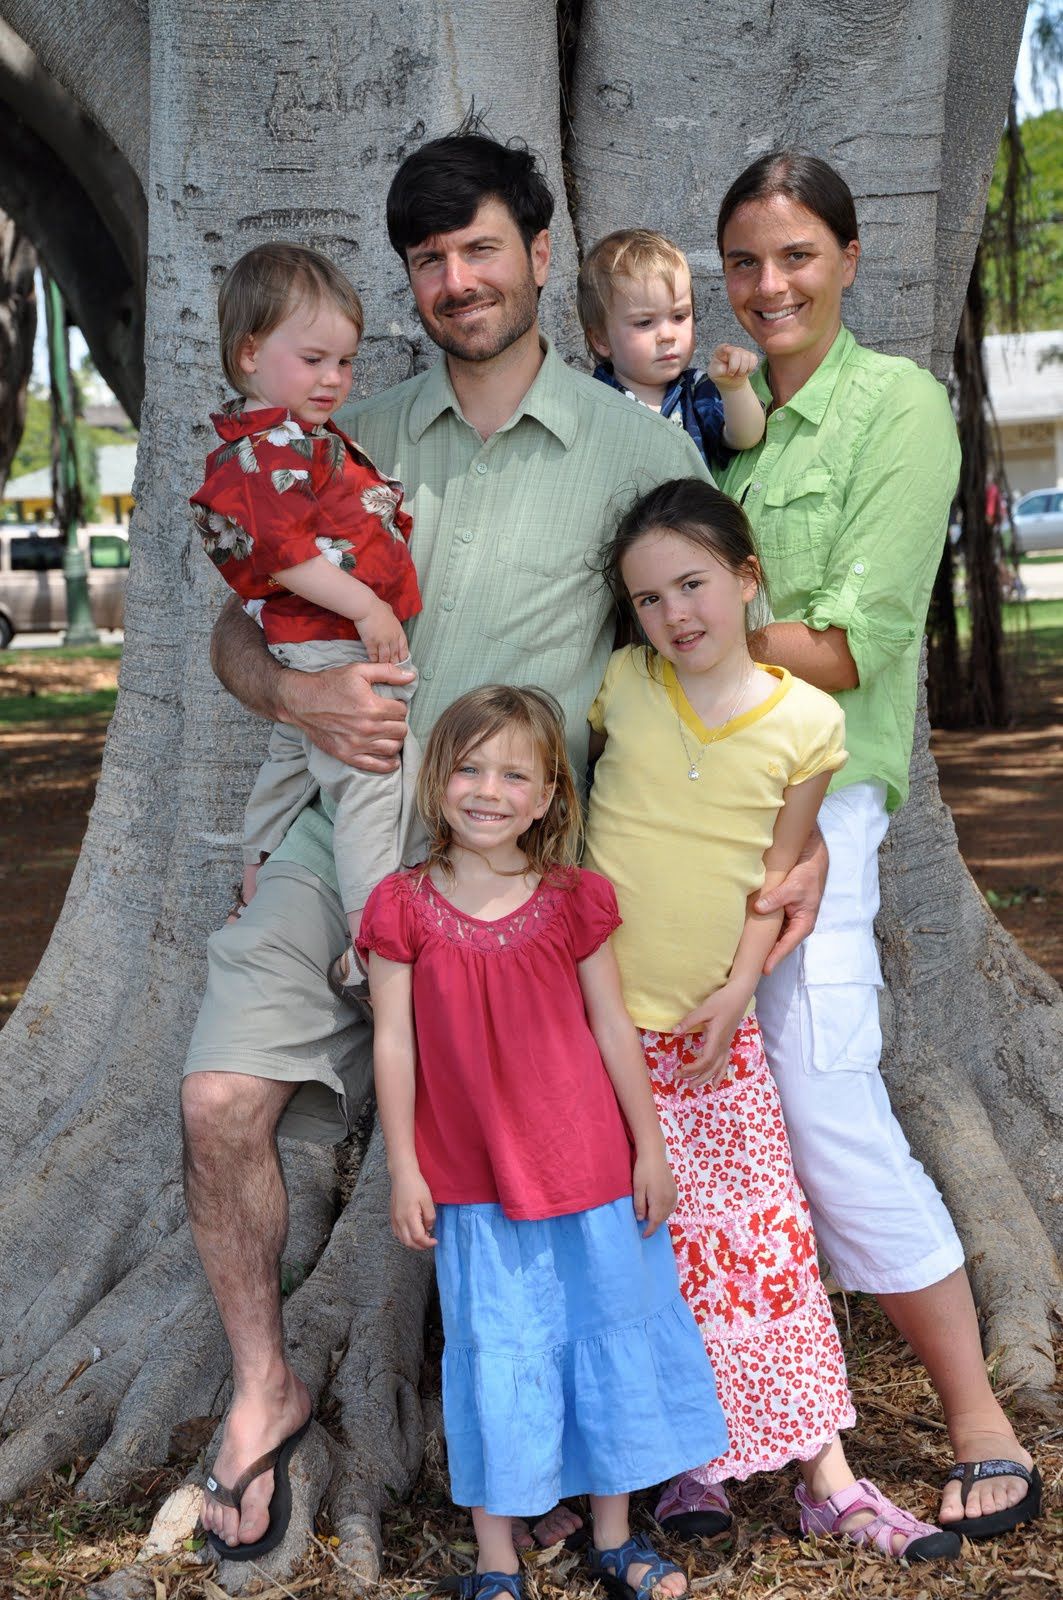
x=879 y=574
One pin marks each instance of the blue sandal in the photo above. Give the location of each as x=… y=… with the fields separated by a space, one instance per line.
x=610 y=1566
x=488 y=1585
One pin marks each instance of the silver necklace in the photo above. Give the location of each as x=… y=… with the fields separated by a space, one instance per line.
x=693 y=770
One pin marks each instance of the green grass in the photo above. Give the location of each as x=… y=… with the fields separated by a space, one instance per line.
x=65 y=706
x=1049 y=558
x=1032 y=627
x=77 y=652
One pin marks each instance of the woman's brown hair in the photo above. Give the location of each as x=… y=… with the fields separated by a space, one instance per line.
x=806 y=180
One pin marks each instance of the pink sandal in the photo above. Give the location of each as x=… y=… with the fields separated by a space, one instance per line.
x=691 y=1509
x=922 y=1541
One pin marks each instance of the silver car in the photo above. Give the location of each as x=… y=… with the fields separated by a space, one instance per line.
x=32 y=587
x=1038 y=519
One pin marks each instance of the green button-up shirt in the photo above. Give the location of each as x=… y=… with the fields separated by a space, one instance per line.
x=848 y=495
x=505 y=532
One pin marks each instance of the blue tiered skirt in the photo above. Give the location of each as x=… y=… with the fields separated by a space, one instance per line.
x=572 y=1364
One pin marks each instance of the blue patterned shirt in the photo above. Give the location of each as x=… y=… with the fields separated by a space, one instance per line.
x=692 y=402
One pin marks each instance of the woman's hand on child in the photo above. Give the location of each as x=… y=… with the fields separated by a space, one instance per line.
x=653 y=1190
x=381 y=632
x=798 y=895
x=716 y=1019
x=730 y=365
x=413 y=1212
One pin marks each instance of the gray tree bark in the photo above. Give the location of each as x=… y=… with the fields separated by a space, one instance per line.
x=18 y=324
x=264 y=121
x=81 y=202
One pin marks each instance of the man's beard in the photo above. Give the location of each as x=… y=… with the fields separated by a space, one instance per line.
x=520 y=311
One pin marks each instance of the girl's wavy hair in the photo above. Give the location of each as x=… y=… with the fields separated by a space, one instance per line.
x=696 y=511
x=554 y=840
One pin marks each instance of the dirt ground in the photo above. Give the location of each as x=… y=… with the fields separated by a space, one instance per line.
x=48 y=773
x=1005 y=790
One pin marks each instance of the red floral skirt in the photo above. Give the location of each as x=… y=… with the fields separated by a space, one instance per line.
x=746 y=1255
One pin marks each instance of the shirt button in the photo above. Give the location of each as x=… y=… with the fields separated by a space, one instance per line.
x=447 y=603
x=468 y=536
x=858 y=567
x=481 y=467
x=756 y=488
x=428 y=673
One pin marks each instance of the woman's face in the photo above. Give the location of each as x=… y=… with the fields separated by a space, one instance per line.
x=785 y=272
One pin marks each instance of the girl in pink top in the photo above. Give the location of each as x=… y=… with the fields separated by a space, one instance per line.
x=525 y=1151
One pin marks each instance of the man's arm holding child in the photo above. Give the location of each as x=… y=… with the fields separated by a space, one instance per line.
x=743 y=414
x=336 y=709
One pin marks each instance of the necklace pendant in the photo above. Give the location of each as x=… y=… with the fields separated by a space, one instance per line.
x=693 y=774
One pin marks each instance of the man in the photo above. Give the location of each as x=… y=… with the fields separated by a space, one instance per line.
x=514 y=466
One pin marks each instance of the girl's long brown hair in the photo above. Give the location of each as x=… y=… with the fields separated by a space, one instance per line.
x=554 y=840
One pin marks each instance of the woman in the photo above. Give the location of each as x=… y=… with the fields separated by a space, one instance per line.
x=848 y=495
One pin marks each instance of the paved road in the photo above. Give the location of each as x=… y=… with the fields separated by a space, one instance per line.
x=1043 y=579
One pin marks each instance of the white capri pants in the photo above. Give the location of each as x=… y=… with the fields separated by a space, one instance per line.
x=879 y=1218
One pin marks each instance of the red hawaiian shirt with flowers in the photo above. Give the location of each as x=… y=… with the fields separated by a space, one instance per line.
x=276 y=494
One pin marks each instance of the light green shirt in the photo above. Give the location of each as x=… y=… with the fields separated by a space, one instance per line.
x=848 y=496
x=505 y=533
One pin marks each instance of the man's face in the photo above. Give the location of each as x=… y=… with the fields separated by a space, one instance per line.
x=476 y=289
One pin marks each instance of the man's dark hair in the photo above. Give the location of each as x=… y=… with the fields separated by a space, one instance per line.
x=441 y=186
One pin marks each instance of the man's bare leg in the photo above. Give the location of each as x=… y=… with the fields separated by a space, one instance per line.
x=238 y=1211
x=941 y=1325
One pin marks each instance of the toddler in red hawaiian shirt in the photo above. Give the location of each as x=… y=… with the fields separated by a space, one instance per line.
x=314 y=540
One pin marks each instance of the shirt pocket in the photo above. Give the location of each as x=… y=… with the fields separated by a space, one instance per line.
x=546 y=596
x=798 y=509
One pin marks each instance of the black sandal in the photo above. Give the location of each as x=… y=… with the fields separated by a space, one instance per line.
x=968 y=1473
x=280 y=1502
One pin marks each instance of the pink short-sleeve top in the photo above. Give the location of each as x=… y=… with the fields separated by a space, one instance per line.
x=513 y=1102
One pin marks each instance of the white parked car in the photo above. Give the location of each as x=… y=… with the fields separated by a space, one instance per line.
x=32 y=587
x=1038 y=519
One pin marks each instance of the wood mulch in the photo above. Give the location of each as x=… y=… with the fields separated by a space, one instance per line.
x=51 y=1544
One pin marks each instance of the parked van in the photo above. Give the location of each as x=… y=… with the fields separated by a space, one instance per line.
x=32 y=586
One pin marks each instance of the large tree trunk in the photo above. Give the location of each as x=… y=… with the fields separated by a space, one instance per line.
x=18 y=325
x=268 y=120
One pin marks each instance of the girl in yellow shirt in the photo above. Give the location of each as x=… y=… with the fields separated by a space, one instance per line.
x=711 y=771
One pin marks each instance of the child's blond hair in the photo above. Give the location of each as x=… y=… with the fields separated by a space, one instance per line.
x=554 y=839
x=265 y=285
x=633 y=253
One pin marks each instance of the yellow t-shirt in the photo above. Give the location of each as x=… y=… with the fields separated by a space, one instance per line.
x=683 y=856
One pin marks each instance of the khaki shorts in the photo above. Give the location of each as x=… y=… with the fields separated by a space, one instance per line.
x=268 y=1011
